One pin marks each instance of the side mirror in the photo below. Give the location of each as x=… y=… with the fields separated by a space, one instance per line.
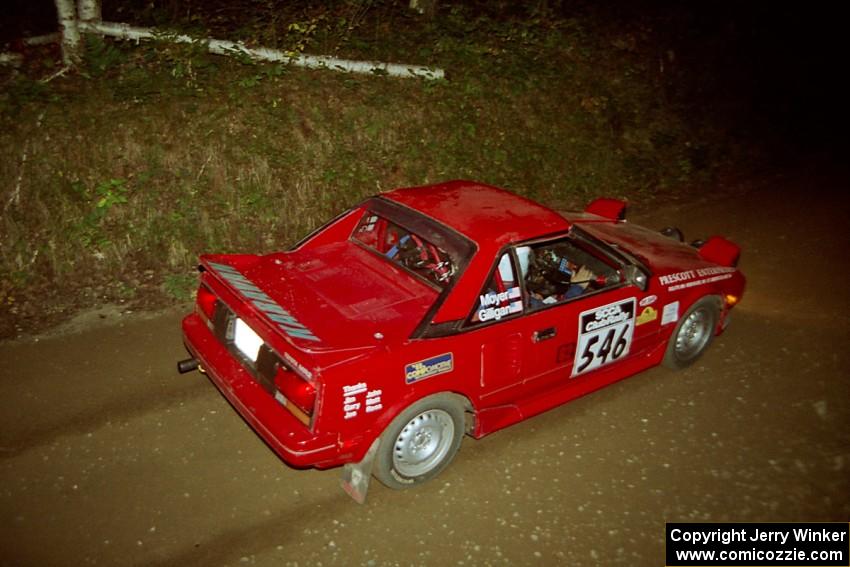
x=636 y=277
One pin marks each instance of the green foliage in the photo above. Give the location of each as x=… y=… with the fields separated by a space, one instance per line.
x=352 y=16
x=180 y=287
x=101 y=56
x=188 y=63
x=109 y=194
x=91 y=229
x=299 y=35
x=265 y=72
x=22 y=90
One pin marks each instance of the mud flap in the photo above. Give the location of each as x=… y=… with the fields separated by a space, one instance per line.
x=356 y=476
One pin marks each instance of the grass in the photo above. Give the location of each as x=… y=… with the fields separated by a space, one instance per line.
x=153 y=154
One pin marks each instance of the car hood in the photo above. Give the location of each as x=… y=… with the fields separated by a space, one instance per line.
x=333 y=297
x=661 y=254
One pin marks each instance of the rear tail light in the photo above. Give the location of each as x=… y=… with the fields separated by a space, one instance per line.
x=206 y=302
x=300 y=395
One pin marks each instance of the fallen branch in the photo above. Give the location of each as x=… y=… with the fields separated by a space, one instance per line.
x=13 y=59
x=16 y=59
x=223 y=47
x=45 y=39
x=58 y=73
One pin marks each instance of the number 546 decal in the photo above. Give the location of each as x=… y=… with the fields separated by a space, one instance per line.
x=604 y=335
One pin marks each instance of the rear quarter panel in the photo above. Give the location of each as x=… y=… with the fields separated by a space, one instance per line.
x=362 y=398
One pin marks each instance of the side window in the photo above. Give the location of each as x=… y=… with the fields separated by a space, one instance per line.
x=560 y=270
x=501 y=296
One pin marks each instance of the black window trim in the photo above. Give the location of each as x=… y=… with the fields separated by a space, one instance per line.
x=457 y=245
x=459 y=248
x=619 y=261
x=617 y=255
x=468 y=323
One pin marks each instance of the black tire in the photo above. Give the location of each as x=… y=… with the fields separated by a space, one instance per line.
x=693 y=333
x=420 y=442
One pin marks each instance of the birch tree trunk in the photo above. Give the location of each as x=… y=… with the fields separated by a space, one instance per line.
x=89 y=10
x=70 y=33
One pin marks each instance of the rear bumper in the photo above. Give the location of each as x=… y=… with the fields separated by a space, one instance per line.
x=289 y=438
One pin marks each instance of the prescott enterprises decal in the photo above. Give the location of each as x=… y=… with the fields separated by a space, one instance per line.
x=285 y=321
x=686 y=279
x=429 y=367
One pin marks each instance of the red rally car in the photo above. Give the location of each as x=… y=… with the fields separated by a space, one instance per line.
x=429 y=312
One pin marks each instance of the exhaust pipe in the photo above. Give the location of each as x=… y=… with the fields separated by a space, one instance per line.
x=187 y=365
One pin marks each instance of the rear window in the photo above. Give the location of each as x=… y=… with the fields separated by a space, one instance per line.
x=405 y=248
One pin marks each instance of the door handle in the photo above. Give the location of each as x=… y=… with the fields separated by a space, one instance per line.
x=544 y=334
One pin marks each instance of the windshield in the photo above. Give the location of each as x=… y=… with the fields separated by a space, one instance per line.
x=405 y=248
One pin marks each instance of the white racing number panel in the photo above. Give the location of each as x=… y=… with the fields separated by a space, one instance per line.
x=246 y=340
x=604 y=335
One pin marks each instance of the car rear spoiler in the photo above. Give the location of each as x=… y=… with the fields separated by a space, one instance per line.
x=612 y=209
x=227 y=271
x=720 y=251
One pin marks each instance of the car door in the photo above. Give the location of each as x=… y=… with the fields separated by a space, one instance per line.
x=552 y=311
x=581 y=313
x=496 y=323
x=581 y=335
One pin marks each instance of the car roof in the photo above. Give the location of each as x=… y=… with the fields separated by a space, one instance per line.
x=487 y=215
x=490 y=217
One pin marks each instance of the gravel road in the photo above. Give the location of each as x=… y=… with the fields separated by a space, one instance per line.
x=109 y=457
